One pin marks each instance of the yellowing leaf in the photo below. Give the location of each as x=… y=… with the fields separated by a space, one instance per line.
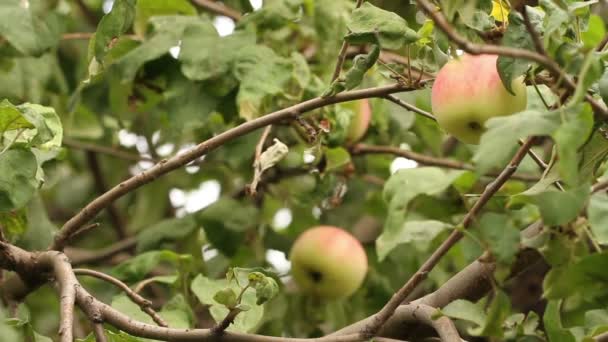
x=500 y=10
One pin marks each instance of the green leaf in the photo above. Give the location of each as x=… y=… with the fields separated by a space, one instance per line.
x=497 y=313
x=569 y=137
x=465 y=310
x=265 y=287
x=26 y=32
x=499 y=142
x=112 y=25
x=603 y=86
x=336 y=157
x=597 y=212
x=369 y=20
x=173 y=229
x=553 y=324
x=139 y=266
x=30 y=123
x=14 y=223
x=226 y=297
x=145 y=9
x=11 y=118
x=517 y=36
x=500 y=234
x=581 y=277
x=595 y=32
x=419 y=232
x=18 y=182
x=560 y=207
x=205 y=288
x=399 y=190
x=225 y=221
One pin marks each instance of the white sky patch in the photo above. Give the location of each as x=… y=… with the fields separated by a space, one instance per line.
x=278 y=260
x=126 y=138
x=192 y=169
x=142 y=145
x=459 y=52
x=223 y=25
x=209 y=252
x=282 y=219
x=165 y=149
x=177 y=197
x=107 y=6
x=308 y=157
x=174 y=51
x=256 y=4
x=402 y=163
x=197 y=199
x=145 y=164
x=316 y=212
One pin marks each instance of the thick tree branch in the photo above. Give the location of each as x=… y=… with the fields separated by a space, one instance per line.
x=387 y=311
x=144 y=304
x=165 y=166
x=477 y=49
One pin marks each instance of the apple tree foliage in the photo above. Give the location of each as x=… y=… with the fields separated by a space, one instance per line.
x=91 y=96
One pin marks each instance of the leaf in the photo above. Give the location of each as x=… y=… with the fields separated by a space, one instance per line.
x=112 y=25
x=553 y=325
x=569 y=137
x=497 y=313
x=595 y=32
x=18 y=182
x=265 y=287
x=225 y=221
x=597 y=212
x=369 y=20
x=337 y=157
x=560 y=207
x=27 y=33
x=138 y=267
x=11 y=118
x=167 y=230
x=500 y=234
x=226 y=297
x=465 y=310
x=145 y=9
x=419 y=232
x=38 y=125
x=499 y=142
x=399 y=190
x=204 y=289
x=517 y=36
x=14 y=223
x=581 y=277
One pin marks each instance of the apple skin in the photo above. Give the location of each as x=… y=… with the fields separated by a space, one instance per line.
x=468 y=91
x=360 y=122
x=328 y=262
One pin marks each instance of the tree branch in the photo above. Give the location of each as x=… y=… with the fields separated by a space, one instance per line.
x=219 y=8
x=85 y=256
x=165 y=166
x=342 y=54
x=106 y=150
x=427 y=160
x=389 y=308
x=409 y=107
x=144 y=304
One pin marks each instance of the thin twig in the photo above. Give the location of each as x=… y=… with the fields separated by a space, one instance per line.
x=84 y=230
x=409 y=107
x=144 y=304
x=101 y=187
x=428 y=160
x=165 y=166
x=259 y=148
x=389 y=308
x=219 y=8
x=342 y=53
x=86 y=256
x=100 y=334
x=536 y=39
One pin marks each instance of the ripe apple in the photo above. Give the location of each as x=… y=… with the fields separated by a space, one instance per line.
x=328 y=262
x=468 y=91
x=360 y=121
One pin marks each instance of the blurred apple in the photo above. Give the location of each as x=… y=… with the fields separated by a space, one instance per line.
x=468 y=91
x=360 y=122
x=328 y=262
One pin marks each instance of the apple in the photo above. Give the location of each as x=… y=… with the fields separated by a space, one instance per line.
x=328 y=262
x=468 y=91
x=360 y=121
